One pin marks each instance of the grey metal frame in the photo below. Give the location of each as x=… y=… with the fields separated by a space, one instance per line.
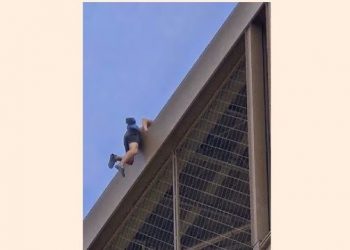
x=257 y=134
x=176 y=203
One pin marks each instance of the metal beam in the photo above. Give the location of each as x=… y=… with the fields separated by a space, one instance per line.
x=266 y=242
x=268 y=91
x=176 y=204
x=256 y=134
x=221 y=237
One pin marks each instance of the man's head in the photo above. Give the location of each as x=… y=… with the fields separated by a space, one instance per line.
x=130 y=121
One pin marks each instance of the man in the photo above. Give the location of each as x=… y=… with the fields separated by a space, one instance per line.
x=132 y=144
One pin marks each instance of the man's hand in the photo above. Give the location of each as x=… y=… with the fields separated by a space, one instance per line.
x=146 y=123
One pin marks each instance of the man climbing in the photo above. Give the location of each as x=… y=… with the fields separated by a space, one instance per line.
x=132 y=144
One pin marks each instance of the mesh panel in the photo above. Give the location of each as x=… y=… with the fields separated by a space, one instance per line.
x=150 y=225
x=213 y=183
x=214 y=174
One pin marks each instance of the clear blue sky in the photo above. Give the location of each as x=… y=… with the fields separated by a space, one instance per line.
x=135 y=56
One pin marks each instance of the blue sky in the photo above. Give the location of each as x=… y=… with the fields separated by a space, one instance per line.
x=135 y=56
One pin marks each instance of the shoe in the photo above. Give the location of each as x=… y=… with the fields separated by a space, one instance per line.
x=121 y=169
x=111 y=162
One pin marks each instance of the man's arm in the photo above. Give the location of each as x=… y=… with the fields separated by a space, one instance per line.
x=146 y=123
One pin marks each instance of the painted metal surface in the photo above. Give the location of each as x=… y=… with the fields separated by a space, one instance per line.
x=257 y=134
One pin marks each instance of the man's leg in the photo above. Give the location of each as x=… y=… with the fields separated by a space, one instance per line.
x=128 y=157
x=130 y=154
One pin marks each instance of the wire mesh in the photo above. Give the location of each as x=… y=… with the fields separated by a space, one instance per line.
x=150 y=224
x=214 y=175
x=214 y=194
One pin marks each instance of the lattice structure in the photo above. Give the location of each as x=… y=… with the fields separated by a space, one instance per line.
x=150 y=225
x=214 y=172
x=214 y=195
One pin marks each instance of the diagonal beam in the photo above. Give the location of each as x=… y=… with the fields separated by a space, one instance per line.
x=221 y=237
